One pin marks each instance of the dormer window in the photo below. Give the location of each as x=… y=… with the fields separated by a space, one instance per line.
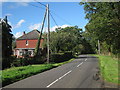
x=26 y=42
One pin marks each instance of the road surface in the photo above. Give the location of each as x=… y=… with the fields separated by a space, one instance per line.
x=76 y=74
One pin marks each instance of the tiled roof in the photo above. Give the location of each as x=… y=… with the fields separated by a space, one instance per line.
x=31 y=35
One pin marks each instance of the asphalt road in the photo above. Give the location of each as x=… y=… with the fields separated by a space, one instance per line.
x=76 y=74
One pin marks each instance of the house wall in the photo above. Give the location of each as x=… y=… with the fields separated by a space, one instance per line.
x=31 y=43
x=20 y=52
x=21 y=46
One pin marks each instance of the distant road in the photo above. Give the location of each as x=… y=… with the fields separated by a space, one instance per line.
x=76 y=74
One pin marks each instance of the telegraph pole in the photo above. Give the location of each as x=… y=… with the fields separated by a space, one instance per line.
x=48 y=34
x=98 y=47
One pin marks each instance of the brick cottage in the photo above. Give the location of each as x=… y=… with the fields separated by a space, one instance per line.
x=26 y=44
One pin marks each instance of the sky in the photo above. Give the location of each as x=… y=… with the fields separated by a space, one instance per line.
x=23 y=16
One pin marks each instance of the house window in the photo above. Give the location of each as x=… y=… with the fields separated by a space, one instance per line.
x=21 y=53
x=29 y=53
x=26 y=42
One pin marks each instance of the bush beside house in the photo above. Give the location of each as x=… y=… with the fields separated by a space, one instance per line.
x=54 y=58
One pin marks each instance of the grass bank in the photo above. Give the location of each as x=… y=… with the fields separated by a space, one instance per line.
x=18 y=73
x=109 y=68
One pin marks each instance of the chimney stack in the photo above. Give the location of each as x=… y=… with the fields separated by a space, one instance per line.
x=23 y=32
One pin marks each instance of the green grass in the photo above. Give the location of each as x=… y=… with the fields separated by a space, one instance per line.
x=18 y=73
x=109 y=68
x=58 y=64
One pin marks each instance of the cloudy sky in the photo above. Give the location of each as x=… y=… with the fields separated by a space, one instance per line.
x=26 y=16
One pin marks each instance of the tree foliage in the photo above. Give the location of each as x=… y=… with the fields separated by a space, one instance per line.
x=6 y=38
x=68 y=39
x=103 y=25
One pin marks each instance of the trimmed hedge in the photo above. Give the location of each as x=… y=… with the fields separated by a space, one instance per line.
x=60 y=57
x=17 y=62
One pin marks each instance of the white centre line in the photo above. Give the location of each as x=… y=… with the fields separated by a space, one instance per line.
x=59 y=78
x=65 y=74
x=85 y=59
x=52 y=83
x=79 y=64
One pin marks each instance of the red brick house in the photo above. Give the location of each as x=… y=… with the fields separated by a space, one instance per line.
x=26 y=44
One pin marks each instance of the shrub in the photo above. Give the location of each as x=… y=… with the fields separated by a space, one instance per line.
x=39 y=59
x=16 y=62
x=6 y=62
x=60 y=57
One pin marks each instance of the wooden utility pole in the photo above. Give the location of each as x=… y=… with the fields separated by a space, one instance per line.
x=48 y=34
x=98 y=47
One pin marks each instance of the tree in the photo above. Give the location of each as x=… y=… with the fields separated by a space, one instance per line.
x=103 y=25
x=67 y=39
x=6 y=38
x=13 y=42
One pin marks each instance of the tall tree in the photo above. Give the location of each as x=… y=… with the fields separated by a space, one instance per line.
x=68 y=39
x=103 y=25
x=6 y=38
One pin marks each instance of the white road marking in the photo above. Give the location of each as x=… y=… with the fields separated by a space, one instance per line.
x=85 y=59
x=79 y=64
x=59 y=78
x=65 y=74
x=52 y=83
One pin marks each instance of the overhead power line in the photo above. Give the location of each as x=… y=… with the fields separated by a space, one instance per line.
x=44 y=9
x=51 y=11
x=40 y=3
x=61 y=18
x=34 y=5
x=54 y=20
x=54 y=13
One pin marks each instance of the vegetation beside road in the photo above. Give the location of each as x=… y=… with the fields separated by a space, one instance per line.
x=103 y=26
x=103 y=31
x=18 y=73
x=109 y=68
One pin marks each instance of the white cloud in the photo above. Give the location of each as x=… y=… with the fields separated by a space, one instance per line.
x=18 y=34
x=22 y=3
x=8 y=14
x=35 y=26
x=16 y=0
x=53 y=28
x=10 y=23
x=19 y=24
x=63 y=26
x=18 y=4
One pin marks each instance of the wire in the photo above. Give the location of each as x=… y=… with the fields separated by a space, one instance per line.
x=54 y=20
x=61 y=18
x=34 y=5
x=40 y=3
x=53 y=12
x=50 y=13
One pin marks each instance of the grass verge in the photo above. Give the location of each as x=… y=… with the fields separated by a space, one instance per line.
x=58 y=64
x=18 y=73
x=109 y=68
